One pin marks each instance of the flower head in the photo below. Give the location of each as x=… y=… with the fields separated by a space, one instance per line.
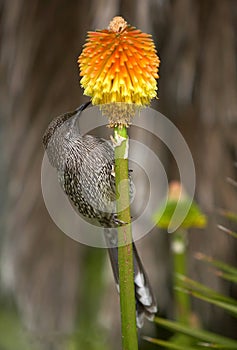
x=188 y=210
x=119 y=64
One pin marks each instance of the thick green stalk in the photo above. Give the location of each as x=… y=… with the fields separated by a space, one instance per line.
x=182 y=300
x=125 y=249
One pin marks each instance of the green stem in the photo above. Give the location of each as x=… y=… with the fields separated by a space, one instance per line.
x=182 y=300
x=125 y=249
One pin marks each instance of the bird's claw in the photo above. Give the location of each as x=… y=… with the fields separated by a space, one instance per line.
x=118 y=221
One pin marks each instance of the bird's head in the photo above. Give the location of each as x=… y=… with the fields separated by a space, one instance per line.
x=67 y=120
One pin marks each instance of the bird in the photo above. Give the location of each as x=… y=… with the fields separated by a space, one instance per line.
x=85 y=170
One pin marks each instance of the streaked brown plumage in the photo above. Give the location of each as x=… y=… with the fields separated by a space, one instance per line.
x=85 y=171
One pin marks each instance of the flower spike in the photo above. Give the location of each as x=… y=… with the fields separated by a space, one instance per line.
x=119 y=64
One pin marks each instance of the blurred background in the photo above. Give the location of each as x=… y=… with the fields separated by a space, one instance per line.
x=55 y=291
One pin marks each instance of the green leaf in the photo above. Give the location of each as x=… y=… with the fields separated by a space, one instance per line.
x=227 y=276
x=206 y=294
x=217 y=263
x=226 y=230
x=229 y=215
x=199 y=334
x=225 y=271
x=171 y=345
x=199 y=346
x=191 y=286
x=228 y=306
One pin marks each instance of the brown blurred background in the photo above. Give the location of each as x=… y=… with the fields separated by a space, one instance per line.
x=50 y=285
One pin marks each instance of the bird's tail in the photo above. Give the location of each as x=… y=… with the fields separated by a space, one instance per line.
x=145 y=301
